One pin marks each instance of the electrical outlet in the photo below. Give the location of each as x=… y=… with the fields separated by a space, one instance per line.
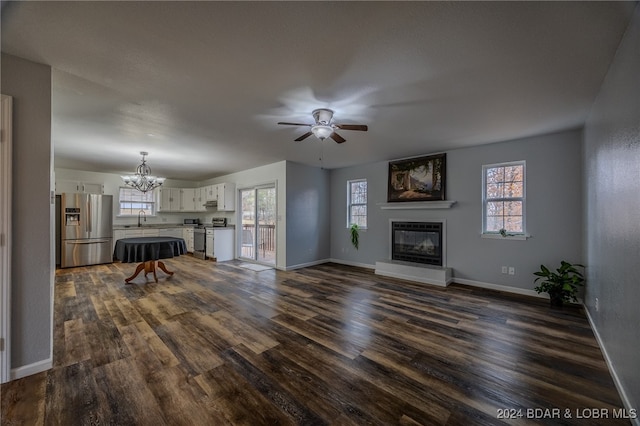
x=504 y=269
x=597 y=305
x=512 y=270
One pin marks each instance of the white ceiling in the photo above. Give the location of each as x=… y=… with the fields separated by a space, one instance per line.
x=201 y=85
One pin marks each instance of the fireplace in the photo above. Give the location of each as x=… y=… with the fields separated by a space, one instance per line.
x=417 y=242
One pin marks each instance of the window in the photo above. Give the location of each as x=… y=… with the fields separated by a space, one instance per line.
x=132 y=201
x=504 y=198
x=357 y=202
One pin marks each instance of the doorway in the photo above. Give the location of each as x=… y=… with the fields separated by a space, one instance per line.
x=258 y=218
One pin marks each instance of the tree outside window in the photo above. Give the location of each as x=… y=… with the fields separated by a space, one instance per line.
x=504 y=198
x=357 y=202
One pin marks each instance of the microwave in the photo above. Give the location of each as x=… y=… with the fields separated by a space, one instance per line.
x=191 y=221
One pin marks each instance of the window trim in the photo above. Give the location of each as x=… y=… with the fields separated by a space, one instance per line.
x=350 y=204
x=496 y=235
x=155 y=204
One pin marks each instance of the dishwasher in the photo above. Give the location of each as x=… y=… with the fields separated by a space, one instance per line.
x=199 y=247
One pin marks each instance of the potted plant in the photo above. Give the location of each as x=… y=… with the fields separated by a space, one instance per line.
x=561 y=284
x=355 y=236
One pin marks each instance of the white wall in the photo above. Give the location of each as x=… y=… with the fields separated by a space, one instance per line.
x=553 y=172
x=32 y=246
x=612 y=214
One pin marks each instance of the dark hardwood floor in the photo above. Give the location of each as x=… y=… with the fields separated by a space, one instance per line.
x=217 y=344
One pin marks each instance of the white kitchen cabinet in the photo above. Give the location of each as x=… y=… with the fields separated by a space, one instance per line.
x=209 y=242
x=151 y=232
x=72 y=186
x=201 y=198
x=187 y=234
x=179 y=200
x=169 y=199
x=188 y=200
x=226 y=197
x=211 y=192
x=171 y=232
x=223 y=244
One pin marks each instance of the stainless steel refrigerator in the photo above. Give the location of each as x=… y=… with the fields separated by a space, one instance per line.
x=86 y=229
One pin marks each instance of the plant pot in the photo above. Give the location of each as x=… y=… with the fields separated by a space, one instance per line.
x=556 y=300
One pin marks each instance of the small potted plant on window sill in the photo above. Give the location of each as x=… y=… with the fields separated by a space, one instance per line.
x=562 y=284
x=355 y=235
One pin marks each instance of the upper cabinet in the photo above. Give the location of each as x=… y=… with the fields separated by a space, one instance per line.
x=67 y=186
x=226 y=197
x=201 y=198
x=169 y=199
x=211 y=193
x=194 y=199
x=188 y=200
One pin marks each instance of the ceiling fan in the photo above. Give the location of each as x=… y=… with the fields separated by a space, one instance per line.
x=323 y=128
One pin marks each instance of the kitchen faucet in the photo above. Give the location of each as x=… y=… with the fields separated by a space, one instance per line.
x=145 y=217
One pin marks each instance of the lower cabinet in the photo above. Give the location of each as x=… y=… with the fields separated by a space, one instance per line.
x=209 y=243
x=187 y=234
x=223 y=244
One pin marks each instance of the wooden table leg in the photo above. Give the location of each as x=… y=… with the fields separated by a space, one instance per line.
x=164 y=268
x=135 y=274
x=149 y=266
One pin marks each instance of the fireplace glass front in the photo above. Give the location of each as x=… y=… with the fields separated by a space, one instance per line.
x=418 y=242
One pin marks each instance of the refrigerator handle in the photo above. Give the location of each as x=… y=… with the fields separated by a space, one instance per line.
x=88 y=227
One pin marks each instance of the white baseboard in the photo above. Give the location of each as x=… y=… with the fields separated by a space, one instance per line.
x=498 y=287
x=305 y=265
x=28 y=370
x=350 y=263
x=614 y=375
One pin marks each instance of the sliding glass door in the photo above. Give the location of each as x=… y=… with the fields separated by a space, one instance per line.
x=258 y=218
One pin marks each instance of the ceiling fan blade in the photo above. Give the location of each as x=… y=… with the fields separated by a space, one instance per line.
x=293 y=124
x=362 y=127
x=336 y=137
x=306 y=135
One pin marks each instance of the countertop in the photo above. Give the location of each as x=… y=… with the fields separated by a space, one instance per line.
x=168 y=225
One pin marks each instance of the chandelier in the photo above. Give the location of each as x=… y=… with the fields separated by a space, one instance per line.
x=142 y=180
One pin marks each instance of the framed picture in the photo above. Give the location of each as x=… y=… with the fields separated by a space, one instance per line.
x=417 y=179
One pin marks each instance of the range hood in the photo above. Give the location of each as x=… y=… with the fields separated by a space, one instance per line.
x=211 y=203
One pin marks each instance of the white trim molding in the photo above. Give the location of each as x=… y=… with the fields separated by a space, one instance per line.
x=350 y=263
x=31 y=369
x=498 y=287
x=6 y=138
x=616 y=380
x=304 y=265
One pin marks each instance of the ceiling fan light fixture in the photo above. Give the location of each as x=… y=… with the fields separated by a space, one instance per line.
x=322 y=131
x=142 y=180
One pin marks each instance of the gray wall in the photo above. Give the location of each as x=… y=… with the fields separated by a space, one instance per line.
x=553 y=172
x=308 y=207
x=612 y=209
x=32 y=265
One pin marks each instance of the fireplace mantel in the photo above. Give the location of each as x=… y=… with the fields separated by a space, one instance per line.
x=417 y=205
